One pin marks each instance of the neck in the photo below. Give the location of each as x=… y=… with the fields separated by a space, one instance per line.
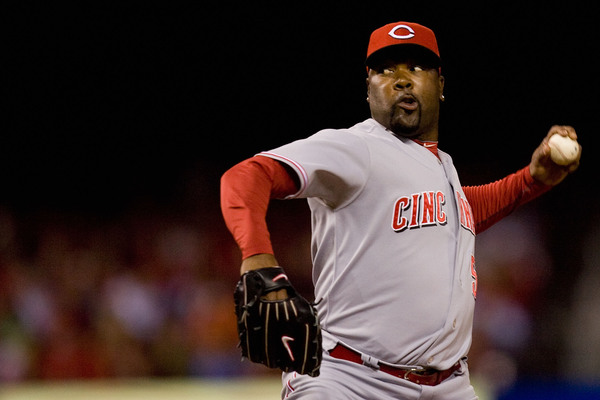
x=422 y=137
x=428 y=135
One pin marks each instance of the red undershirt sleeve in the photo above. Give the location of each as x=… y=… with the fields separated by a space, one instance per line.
x=246 y=190
x=493 y=201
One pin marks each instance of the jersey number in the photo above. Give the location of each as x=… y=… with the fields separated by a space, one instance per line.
x=474 y=276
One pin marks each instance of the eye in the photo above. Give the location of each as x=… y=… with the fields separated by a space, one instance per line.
x=388 y=71
x=417 y=68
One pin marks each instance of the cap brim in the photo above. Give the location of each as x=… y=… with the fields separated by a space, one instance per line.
x=423 y=54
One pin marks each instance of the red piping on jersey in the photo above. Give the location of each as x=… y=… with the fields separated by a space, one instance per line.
x=302 y=171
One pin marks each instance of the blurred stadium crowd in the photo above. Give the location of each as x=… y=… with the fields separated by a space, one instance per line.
x=138 y=297
x=150 y=294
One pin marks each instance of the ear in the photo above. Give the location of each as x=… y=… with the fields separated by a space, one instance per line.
x=368 y=88
x=441 y=82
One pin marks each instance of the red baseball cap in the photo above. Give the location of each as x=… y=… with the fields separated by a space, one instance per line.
x=402 y=33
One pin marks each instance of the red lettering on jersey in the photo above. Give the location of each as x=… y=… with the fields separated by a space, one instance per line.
x=414 y=218
x=428 y=209
x=474 y=276
x=424 y=209
x=440 y=215
x=466 y=214
x=399 y=222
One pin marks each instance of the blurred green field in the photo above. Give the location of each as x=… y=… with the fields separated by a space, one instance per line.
x=147 y=389
x=259 y=388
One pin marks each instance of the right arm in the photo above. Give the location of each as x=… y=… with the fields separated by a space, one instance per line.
x=246 y=190
x=334 y=168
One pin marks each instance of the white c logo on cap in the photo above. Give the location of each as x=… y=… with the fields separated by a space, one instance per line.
x=411 y=32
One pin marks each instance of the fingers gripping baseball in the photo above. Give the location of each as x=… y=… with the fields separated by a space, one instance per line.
x=554 y=159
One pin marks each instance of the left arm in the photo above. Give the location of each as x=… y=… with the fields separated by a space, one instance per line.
x=493 y=201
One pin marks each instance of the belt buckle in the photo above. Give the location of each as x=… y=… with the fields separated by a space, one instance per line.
x=408 y=372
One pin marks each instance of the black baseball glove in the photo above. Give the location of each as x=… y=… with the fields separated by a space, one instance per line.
x=281 y=334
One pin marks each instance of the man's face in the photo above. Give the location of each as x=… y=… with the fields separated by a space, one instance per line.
x=404 y=93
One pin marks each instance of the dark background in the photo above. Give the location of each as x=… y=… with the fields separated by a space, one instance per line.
x=109 y=103
x=115 y=108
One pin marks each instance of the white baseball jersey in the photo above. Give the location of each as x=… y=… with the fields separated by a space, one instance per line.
x=392 y=244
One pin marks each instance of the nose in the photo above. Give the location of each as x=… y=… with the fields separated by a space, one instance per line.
x=403 y=82
x=403 y=79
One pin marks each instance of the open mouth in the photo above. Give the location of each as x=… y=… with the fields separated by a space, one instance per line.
x=408 y=103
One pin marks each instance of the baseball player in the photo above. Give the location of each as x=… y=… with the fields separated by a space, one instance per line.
x=393 y=233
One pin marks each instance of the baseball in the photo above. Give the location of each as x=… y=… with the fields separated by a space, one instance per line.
x=563 y=150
